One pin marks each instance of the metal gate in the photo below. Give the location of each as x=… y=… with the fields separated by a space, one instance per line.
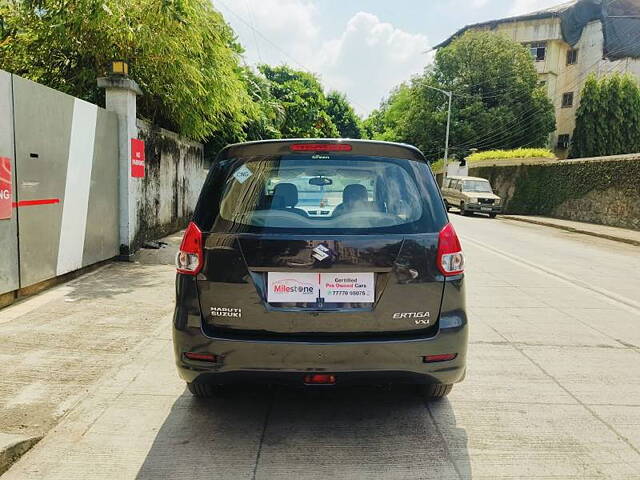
x=8 y=226
x=65 y=194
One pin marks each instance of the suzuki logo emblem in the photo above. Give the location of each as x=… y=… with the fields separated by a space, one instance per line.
x=320 y=253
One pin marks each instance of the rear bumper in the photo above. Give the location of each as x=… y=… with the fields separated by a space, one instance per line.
x=286 y=362
x=475 y=207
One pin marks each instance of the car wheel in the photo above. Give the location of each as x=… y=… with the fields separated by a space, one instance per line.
x=435 y=391
x=204 y=390
x=463 y=210
x=492 y=215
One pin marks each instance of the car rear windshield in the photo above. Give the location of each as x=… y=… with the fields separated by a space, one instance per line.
x=328 y=194
x=477 y=186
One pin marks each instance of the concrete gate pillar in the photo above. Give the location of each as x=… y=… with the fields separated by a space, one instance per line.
x=121 y=93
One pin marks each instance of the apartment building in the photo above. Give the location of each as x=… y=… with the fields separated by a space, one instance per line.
x=567 y=43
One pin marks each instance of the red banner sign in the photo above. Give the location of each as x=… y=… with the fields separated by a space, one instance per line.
x=137 y=158
x=5 y=188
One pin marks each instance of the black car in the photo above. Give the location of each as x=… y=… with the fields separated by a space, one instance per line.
x=320 y=262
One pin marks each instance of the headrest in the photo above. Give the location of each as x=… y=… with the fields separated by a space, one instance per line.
x=285 y=194
x=354 y=193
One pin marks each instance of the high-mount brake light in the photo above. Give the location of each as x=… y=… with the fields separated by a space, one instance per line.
x=321 y=147
x=320 y=379
x=189 y=259
x=450 y=256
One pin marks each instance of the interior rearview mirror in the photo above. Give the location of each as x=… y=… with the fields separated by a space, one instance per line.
x=320 y=181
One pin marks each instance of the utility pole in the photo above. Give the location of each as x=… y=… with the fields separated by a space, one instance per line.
x=446 y=141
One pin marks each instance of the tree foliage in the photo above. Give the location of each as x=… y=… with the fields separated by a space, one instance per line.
x=608 y=118
x=497 y=101
x=182 y=54
x=303 y=100
x=343 y=116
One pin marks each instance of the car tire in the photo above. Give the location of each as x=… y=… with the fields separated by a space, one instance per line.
x=204 y=390
x=463 y=211
x=435 y=391
x=492 y=215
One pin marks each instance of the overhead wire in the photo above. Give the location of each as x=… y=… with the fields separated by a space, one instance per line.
x=253 y=22
x=529 y=113
x=483 y=140
x=274 y=45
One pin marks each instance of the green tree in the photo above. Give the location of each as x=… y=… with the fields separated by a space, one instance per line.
x=182 y=54
x=390 y=124
x=343 y=116
x=608 y=118
x=585 y=135
x=303 y=100
x=268 y=115
x=264 y=116
x=498 y=103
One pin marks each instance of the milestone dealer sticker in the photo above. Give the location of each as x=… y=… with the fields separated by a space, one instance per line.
x=286 y=287
x=283 y=287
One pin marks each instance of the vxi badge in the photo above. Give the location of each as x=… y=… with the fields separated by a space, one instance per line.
x=421 y=318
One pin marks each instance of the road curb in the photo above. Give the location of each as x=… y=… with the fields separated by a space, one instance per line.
x=629 y=241
x=12 y=447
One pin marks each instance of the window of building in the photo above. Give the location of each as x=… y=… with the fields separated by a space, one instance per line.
x=572 y=57
x=563 y=141
x=538 y=51
x=567 y=100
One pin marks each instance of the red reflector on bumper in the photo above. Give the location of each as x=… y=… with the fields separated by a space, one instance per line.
x=443 y=357
x=203 y=357
x=319 y=379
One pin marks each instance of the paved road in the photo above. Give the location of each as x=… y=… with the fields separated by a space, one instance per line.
x=553 y=390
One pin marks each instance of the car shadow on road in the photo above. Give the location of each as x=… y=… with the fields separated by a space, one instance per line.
x=290 y=433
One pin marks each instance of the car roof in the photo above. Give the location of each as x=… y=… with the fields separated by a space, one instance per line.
x=360 y=147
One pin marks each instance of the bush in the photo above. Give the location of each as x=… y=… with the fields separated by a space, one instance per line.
x=501 y=155
x=508 y=154
x=539 y=189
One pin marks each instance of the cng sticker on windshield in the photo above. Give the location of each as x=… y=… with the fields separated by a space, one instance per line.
x=283 y=287
x=242 y=174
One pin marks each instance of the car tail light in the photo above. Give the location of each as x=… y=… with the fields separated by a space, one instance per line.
x=189 y=259
x=450 y=257
x=320 y=379
x=320 y=147
x=443 y=357
x=203 y=357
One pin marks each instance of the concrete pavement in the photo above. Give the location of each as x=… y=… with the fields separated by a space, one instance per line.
x=553 y=388
x=57 y=344
x=602 y=231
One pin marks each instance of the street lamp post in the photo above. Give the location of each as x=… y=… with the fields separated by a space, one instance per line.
x=446 y=141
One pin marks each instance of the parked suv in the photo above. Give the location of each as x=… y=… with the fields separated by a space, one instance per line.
x=471 y=194
x=320 y=262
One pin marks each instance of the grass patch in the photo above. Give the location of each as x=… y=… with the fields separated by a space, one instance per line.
x=509 y=154
x=501 y=155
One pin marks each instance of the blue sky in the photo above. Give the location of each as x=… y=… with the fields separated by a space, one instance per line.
x=361 y=47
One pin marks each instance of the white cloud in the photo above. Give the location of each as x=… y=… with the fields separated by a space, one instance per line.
x=370 y=58
x=290 y=24
x=366 y=60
